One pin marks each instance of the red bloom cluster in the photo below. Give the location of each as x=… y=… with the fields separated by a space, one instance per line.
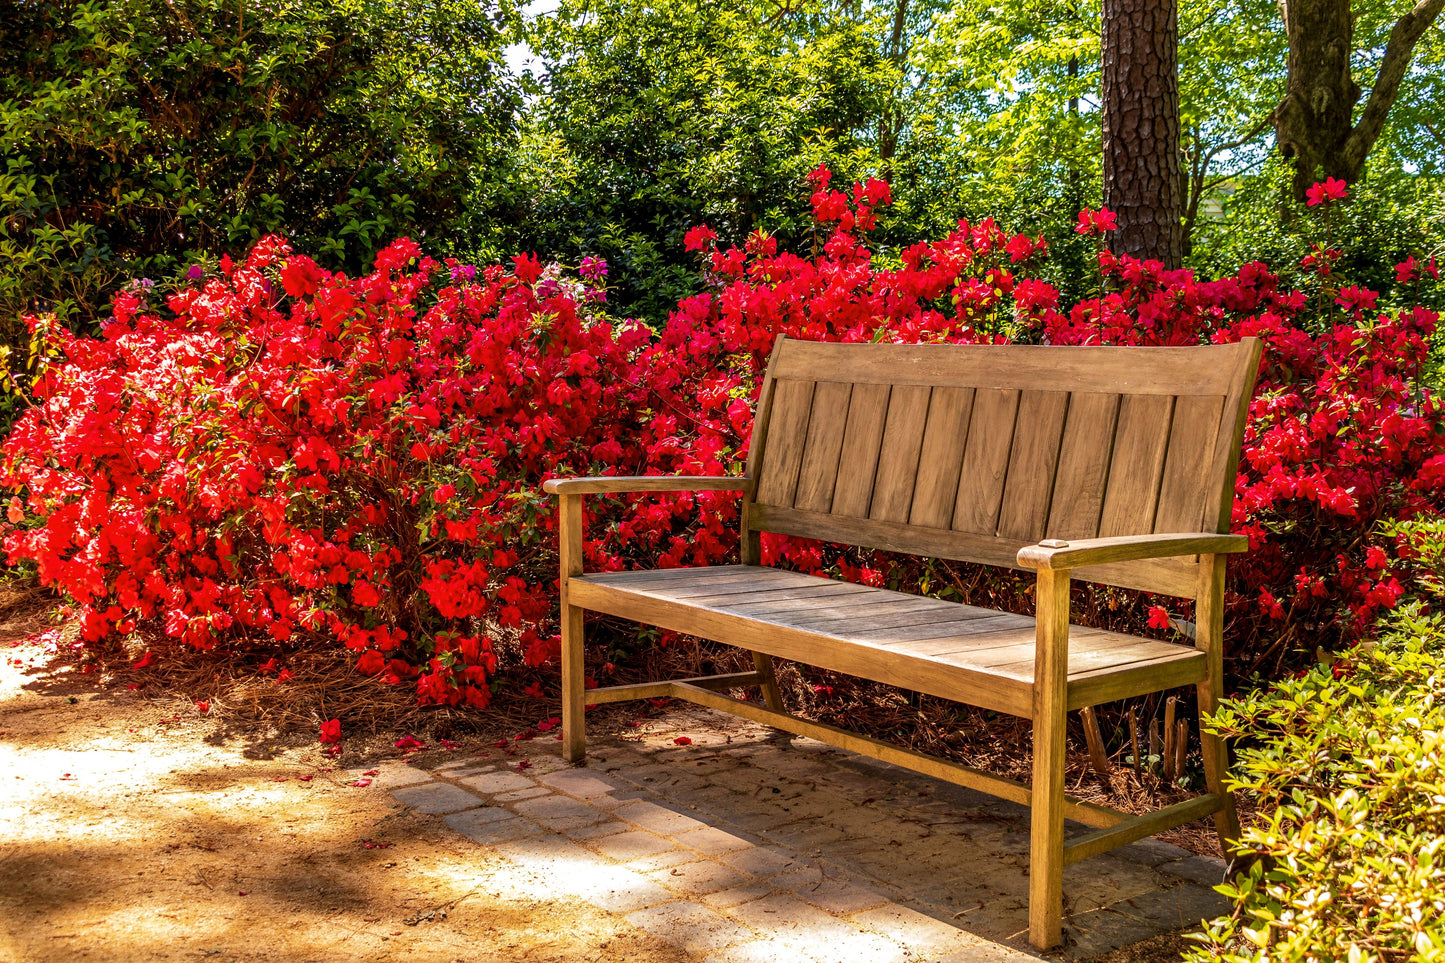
x=281 y=452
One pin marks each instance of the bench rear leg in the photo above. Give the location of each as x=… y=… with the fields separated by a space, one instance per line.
x=771 y=697
x=1216 y=764
x=1209 y=638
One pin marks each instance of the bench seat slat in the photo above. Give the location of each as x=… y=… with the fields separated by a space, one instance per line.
x=764 y=596
x=962 y=652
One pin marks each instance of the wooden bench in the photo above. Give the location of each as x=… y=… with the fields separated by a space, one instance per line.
x=1112 y=465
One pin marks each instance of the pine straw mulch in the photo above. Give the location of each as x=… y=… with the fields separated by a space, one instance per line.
x=324 y=685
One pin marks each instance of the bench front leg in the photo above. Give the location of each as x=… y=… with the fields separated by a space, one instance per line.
x=569 y=539
x=1046 y=800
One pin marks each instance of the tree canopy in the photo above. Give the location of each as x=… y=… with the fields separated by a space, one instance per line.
x=141 y=133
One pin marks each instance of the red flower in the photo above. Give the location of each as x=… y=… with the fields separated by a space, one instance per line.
x=203 y=707
x=1158 y=617
x=1096 y=222
x=527 y=268
x=144 y=661
x=1354 y=298
x=1404 y=273
x=682 y=741
x=410 y=742
x=700 y=238
x=301 y=276
x=331 y=732
x=1323 y=193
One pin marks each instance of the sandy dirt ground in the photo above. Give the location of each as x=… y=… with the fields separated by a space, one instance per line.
x=133 y=827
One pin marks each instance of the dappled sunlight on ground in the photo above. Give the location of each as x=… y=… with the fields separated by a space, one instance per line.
x=128 y=836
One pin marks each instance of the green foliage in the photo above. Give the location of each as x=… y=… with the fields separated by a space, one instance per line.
x=655 y=118
x=140 y=135
x=1390 y=216
x=1347 y=763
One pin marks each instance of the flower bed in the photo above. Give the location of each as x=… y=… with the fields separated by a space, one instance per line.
x=278 y=453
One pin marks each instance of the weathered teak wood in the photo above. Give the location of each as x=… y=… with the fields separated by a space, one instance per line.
x=1098 y=464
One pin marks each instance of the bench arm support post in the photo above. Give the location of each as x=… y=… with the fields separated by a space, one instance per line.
x=1050 y=704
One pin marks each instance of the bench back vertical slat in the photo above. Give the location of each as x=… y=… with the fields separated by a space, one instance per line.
x=786 y=441
x=862 y=440
x=985 y=460
x=819 y=474
x=1083 y=472
x=1185 y=495
x=940 y=463
x=981 y=450
x=1033 y=461
x=898 y=457
x=1141 y=440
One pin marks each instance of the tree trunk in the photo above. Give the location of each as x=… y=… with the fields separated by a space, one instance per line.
x=1315 y=125
x=1141 y=128
x=890 y=123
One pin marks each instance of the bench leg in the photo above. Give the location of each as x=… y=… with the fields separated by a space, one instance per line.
x=574 y=735
x=1209 y=631
x=569 y=538
x=1046 y=796
x=1046 y=836
x=1216 y=764
x=771 y=697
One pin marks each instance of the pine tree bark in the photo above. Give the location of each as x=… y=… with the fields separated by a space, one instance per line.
x=1142 y=183
x=1315 y=126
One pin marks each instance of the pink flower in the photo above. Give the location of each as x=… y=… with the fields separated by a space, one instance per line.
x=1330 y=190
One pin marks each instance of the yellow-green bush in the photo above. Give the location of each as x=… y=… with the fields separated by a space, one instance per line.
x=1348 y=764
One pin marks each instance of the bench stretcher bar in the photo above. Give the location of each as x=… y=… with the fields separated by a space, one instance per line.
x=1113 y=828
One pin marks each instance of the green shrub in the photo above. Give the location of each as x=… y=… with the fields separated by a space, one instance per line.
x=1348 y=765
x=138 y=136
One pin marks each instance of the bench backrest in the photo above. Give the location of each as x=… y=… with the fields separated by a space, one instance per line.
x=973 y=451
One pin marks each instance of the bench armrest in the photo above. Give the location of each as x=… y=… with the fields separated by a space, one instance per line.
x=615 y=484
x=1057 y=554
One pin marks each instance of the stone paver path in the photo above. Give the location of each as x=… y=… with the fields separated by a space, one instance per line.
x=747 y=844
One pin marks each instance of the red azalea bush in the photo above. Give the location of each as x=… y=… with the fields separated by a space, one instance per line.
x=278 y=452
